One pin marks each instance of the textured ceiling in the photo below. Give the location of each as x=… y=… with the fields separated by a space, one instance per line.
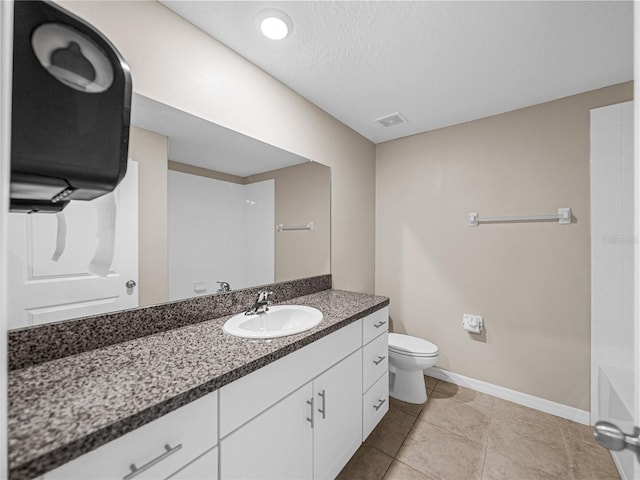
x=438 y=63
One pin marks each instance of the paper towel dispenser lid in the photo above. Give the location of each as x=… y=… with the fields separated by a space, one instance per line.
x=414 y=346
x=71 y=110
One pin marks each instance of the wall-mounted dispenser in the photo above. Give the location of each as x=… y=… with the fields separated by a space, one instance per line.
x=71 y=109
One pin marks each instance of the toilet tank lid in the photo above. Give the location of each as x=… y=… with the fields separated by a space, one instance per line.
x=410 y=344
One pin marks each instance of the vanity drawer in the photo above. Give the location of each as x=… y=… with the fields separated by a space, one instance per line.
x=375 y=403
x=203 y=468
x=375 y=324
x=188 y=431
x=375 y=360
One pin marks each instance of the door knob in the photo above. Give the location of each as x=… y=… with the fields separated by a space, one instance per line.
x=610 y=436
x=130 y=284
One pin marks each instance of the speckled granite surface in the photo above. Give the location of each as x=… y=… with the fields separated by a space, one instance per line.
x=61 y=409
x=33 y=345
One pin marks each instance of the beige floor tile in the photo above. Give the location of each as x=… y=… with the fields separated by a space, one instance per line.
x=592 y=461
x=391 y=431
x=430 y=382
x=501 y=467
x=367 y=463
x=529 y=442
x=469 y=419
x=581 y=432
x=400 y=471
x=412 y=409
x=441 y=454
x=531 y=424
x=463 y=434
x=463 y=394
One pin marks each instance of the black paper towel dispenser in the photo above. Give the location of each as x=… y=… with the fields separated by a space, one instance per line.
x=71 y=109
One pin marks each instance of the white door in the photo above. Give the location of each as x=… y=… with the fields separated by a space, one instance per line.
x=615 y=369
x=276 y=445
x=338 y=422
x=49 y=276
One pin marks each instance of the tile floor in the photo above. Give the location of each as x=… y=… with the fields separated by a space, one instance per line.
x=460 y=434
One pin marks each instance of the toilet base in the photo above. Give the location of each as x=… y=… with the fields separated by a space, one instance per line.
x=408 y=386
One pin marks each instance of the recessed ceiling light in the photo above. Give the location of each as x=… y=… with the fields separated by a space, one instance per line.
x=274 y=24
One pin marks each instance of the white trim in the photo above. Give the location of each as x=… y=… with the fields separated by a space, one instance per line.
x=547 y=406
x=621 y=471
x=6 y=73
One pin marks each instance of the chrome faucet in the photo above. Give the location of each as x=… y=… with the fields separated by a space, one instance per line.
x=262 y=303
x=224 y=287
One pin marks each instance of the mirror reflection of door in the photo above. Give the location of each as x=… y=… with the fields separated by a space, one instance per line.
x=49 y=268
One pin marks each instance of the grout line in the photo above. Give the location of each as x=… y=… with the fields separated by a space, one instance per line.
x=386 y=454
x=486 y=445
x=413 y=468
x=406 y=435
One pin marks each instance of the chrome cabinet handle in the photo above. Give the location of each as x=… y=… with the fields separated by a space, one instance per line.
x=138 y=470
x=311 y=402
x=130 y=284
x=380 y=403
x=380 y=323
x=323 y=410
x=380 y=359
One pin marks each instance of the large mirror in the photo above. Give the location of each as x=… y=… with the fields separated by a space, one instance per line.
x=202 y=209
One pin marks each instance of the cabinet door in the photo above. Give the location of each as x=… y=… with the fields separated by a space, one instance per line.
x=338 y=416
x=277 y=444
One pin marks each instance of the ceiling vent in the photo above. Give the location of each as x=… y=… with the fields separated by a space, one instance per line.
x=391 y=120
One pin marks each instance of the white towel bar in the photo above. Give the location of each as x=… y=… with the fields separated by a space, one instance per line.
x=283 y=228
x=563 y=216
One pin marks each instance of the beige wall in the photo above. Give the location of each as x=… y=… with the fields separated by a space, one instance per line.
x=529 y=280
x=302 y=194
x=149 y=149
x=189 y=70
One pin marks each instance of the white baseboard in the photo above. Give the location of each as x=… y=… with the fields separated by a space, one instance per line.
x=547 y=406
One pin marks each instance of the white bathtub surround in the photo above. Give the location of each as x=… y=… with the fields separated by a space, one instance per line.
x=531 y=401
x=199 y=256
x=613 y=243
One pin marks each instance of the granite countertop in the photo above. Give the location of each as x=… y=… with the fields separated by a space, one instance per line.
x=63 y=408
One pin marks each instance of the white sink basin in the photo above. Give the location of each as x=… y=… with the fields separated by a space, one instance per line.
x=279 y=321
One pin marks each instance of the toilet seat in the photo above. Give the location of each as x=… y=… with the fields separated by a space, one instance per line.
x=411 y=346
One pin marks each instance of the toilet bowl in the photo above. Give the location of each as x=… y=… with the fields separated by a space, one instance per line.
x=408 y=357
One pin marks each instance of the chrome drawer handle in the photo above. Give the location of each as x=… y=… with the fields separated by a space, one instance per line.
x=135 y=471
x=310 y=403
x=379 y=361
x=323 y=410
x=380 y=323
x=380 y=403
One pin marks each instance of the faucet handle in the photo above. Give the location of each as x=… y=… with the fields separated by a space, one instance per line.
x=263 y=295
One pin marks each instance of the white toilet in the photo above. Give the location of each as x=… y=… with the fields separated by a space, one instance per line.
x=408 y=357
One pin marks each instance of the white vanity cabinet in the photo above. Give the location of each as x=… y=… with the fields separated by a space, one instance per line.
x=161 y=449
x=204 y=467
x=277 y=444
x=309 y=433
x=375 y=369
x=300 y=417
x=336 y=419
